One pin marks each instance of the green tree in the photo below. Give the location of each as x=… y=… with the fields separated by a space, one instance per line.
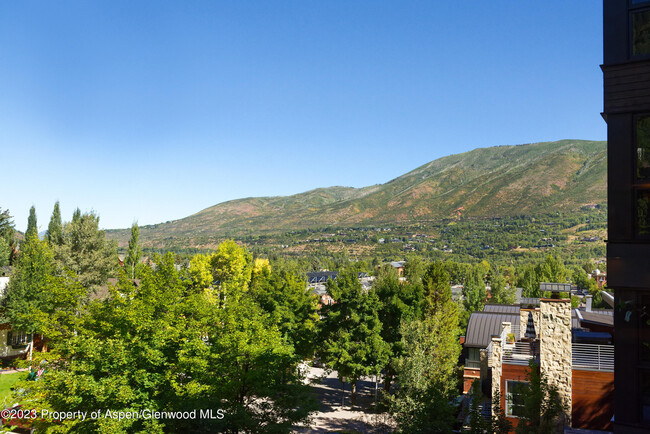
x=437 y=290
x=414 y=269
x=55 y=228
x=427 y=375
x=552 y=270
x=543 y=410
x=500 y=293
x=6 y=238
x=350 y=331
x=477 y=423
x=86 y=252
x=164 y=346
x=134 y=253
x=474 y=291
x=32 y=226
x=290 y=306
x=25 y=294
x=399 y=302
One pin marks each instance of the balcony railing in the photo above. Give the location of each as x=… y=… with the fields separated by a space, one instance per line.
x=519 y=353
x=593 y=357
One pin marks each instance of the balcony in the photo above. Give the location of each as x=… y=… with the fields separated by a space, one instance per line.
x=593 y=357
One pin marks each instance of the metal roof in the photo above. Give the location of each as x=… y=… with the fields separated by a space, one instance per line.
x=482 y=325
x=321 y=276
x=599 y=318
x=501 y=308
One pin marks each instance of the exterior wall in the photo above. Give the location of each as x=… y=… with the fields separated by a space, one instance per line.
x=592 y=400
x=469 y=375
x=555 y=347
x=511 y=372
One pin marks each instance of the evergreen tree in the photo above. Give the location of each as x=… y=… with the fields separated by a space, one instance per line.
x=134 y=253
x=6 y=238
x=86 y=252
x=32 y=227
x=437 y=290
x=55 y=228
x=477 y=423
x=25 y=294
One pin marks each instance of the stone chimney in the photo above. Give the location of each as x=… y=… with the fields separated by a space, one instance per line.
x=496 y=367
x=555 y=358
x=588 y=300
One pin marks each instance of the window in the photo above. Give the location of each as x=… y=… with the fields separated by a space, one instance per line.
x=644 y=329
x=645 y=396
x=643 y=147
x=18 y=339
x=473 y=358
x=515 y=397
x=641 y=33
x=642 y=175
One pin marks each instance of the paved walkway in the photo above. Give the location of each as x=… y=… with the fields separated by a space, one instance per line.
x=336 y=414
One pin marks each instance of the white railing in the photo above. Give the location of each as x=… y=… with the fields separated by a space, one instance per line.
x=519 y=353
x=593 y=357
x=489 y=354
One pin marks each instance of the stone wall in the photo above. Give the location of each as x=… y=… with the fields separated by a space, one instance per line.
x=555 y=347
x=496 y=368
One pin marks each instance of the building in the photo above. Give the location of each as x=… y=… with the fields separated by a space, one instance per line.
x=626 y=73
x=572 y=347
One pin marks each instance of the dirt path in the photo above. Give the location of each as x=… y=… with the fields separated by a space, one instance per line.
x=336 y=414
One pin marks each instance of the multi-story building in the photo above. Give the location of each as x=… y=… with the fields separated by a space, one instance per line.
x=626 y=69
x=572 y=347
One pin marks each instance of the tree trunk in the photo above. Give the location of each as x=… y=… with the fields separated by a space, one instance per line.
x=353 y=394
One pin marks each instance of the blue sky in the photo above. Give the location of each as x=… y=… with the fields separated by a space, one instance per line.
x=152 y=111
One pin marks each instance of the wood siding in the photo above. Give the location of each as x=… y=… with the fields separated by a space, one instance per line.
x=592 y=400
x=627 y=88
x=511 y=372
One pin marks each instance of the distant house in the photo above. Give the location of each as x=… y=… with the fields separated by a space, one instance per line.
x=317 y=283
x=321 y=276
x=601 y=278
x=399 y=266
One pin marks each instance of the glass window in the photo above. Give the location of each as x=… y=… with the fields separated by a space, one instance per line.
x=641 y=33
x=645 y=396
x=473 y=358
x=642 y=215
x=644 y=328
x=643 y=148
x=515 y=397
x=19 y=338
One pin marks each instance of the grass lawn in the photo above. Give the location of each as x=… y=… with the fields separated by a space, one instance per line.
x=6 y=383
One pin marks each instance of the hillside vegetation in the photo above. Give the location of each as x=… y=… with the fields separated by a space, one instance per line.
x=500 y=181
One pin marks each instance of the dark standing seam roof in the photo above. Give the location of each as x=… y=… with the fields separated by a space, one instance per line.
x=482 y=325
x=501 y=308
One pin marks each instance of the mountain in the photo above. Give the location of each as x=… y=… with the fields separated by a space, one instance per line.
x=486 y=182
